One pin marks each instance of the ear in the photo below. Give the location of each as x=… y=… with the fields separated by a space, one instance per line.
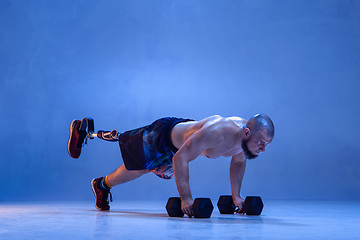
x=246 y=132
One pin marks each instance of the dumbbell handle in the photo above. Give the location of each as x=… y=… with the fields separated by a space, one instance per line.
x=251 y=206
x=202 y=207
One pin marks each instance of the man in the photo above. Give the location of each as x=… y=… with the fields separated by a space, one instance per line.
x=168 y=145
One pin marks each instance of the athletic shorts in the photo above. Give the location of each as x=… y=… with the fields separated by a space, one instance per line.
x=150 y=147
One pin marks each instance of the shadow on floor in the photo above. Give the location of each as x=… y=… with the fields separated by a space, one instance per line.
x=215 y=219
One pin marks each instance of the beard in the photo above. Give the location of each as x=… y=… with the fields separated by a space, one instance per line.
x=247 y=152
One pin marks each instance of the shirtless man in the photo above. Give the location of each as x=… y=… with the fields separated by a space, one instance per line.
x=168 y=145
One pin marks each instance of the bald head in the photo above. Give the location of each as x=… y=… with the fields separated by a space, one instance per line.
x=261 y=122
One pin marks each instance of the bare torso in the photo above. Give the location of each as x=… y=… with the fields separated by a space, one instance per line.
x=227 y=130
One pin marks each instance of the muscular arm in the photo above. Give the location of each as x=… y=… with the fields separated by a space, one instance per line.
x=191 y=149
x=237 y=170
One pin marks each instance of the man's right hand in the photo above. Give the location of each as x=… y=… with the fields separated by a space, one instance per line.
x=186 y=207
x=238 y=202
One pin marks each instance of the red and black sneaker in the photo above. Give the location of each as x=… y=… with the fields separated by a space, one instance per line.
x=101 y=194
x=77 y=137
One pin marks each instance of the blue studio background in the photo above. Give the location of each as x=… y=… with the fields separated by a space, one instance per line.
x=127 y=63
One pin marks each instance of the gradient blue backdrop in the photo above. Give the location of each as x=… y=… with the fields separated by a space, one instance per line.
x=127 y=63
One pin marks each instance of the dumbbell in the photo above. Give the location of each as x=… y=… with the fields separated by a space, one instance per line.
x=202 y=207
x=253 y=205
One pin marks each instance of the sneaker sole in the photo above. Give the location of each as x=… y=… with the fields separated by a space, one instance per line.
x=92 y=187
x=71 y=129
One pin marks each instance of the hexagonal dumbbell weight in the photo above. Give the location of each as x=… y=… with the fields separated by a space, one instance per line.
x=202 y=207
x=173 y=207
x=253 y=205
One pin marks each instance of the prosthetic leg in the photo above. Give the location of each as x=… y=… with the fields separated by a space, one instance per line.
x=88 y=124
x=81 y=131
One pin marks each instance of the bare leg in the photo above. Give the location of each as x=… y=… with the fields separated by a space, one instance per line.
x=122 y=175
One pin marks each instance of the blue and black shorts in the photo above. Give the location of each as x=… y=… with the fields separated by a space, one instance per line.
x=150 y=147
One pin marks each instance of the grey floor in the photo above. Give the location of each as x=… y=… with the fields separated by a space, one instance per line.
x=148 y=220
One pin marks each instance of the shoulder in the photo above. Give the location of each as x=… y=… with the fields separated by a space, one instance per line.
x=209 y=121
x=221 y=124
x=217 y=124
x=212 y=118
x=218 y=127
x=239 y=158
x=238 y=120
